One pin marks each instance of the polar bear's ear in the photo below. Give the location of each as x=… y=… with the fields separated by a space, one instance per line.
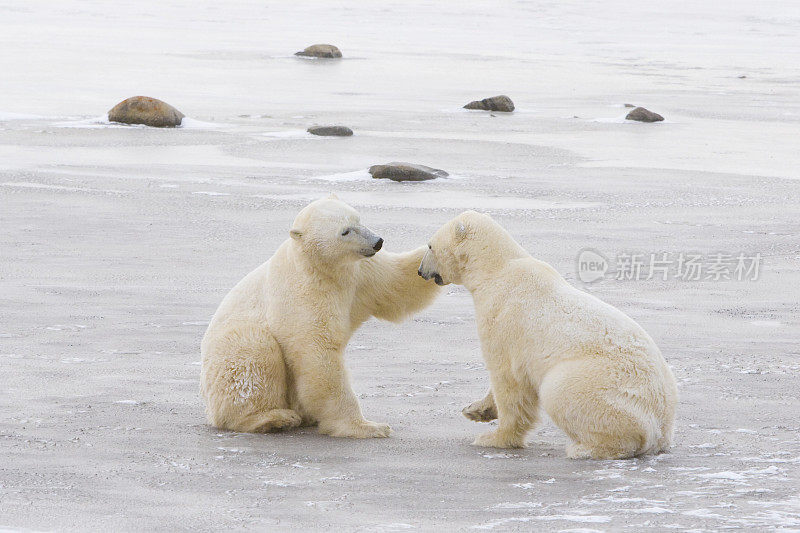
x=333 y=196
x=295 y=234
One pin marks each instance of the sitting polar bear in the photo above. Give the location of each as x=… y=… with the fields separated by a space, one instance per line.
x=595 y=371
x=273 y=354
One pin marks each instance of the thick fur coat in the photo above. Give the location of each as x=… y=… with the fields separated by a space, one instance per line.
x=273 y=354
x=547 y=345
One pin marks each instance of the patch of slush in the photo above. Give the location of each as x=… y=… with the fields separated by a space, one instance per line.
x=81 y=360
x=95 y=123
x=453 y=200
x=289 y=134
x=279 y=483
x=8 y=115
x=34 y=185
x=103 y=122
x=358 y=175
x=65 y=327
x=394 y=526
x=780 y=460
x=589 y=519
x=650 y=510
x=189 y=123
x=212 y=193
x=517 y=505
x=766 y=323
x=742 y=477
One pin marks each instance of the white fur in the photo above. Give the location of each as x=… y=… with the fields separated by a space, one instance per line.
x=596 y=372
x=273 y=355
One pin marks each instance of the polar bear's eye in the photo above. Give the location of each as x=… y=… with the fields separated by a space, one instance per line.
x=345 y=232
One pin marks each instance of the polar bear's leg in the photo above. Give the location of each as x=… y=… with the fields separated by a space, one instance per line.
x=585 y=402
x=483 y=410
x=244 y=381
x=323 y=390
x=517 y=409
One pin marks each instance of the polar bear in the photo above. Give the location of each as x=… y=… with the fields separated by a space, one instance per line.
x=596 y=372
x=273 y=354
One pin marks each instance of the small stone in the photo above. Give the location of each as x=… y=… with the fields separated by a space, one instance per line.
x=330 y=131
x=147 y=111
x=629 y=105
x=742 y=77
x=643 y=115
x=495 y=103
x=406 y=172
x=327 y=51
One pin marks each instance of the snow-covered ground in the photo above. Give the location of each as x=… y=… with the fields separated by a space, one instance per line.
x=117 y=243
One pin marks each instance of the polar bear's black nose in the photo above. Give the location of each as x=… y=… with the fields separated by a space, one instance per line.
x=378 y=244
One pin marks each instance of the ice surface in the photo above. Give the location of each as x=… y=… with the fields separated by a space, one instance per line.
x=117 y=243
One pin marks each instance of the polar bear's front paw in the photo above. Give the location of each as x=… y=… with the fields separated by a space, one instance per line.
x=495 y=439
x=359 y=430
x=480 y=412
x=369 y=430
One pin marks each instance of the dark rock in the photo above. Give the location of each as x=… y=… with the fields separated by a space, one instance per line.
x=742 y=77
x=643 y=115
x=406 y=172
x=629 y=105
x=146 y=110
x=495 y=103
x=330 y=131
x=321 y=50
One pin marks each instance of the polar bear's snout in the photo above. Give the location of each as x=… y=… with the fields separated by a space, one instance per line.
x=428 y=270
x=373 y=242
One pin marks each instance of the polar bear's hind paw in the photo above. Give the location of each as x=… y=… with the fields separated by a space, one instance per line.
x=278 y=420
x=578 y=451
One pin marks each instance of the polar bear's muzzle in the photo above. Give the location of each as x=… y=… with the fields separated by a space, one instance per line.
x=428 y=270
x=374 y=243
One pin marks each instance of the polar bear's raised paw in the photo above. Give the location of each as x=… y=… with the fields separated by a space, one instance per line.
x=480 y=411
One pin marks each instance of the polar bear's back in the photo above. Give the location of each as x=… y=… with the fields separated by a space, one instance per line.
x=247 y=300
x=593 y=320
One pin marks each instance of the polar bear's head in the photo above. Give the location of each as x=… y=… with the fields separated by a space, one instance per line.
x=330 y=230
x=468 y=235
